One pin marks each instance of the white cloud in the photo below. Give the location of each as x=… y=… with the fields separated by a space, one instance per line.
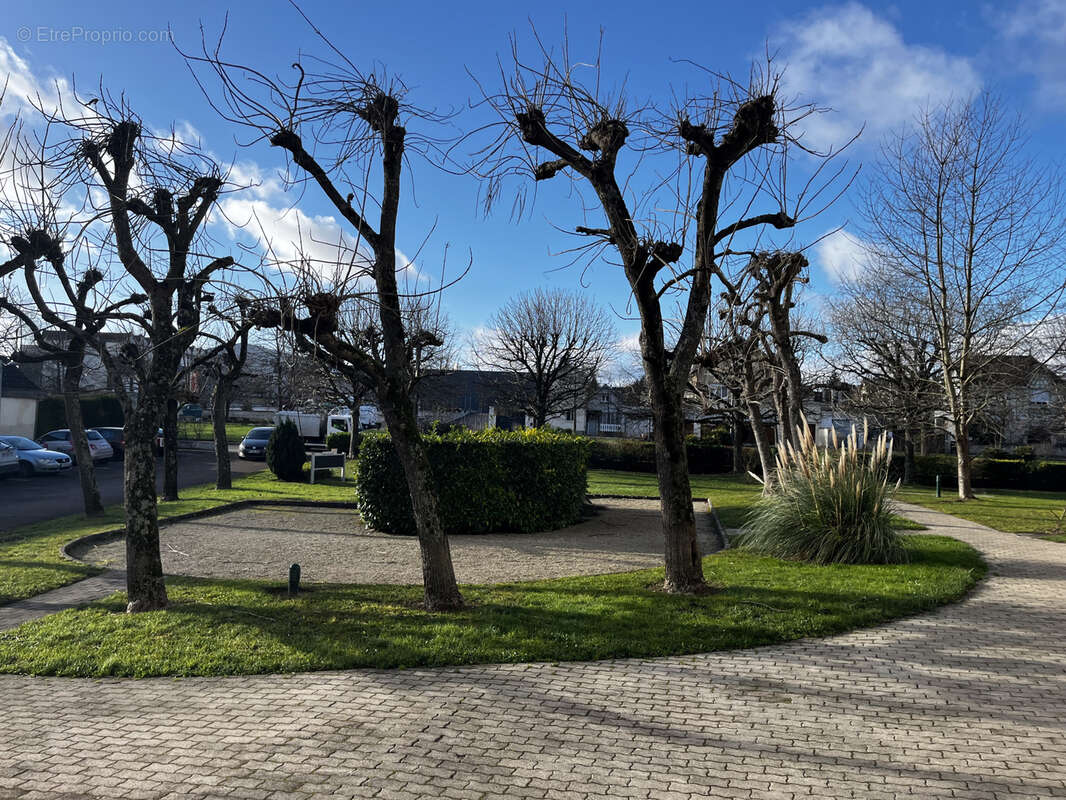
x=1035 y=32
x=857 y=63
x=840 y=255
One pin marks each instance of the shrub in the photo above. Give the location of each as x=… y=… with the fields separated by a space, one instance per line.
x=285 y=454
x=486 y=481
x=828 y=506
x=634 y=455
x=341 y=442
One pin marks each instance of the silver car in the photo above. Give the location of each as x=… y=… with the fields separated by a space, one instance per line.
x=63 y=442
x=35 y=459
x=9 y=460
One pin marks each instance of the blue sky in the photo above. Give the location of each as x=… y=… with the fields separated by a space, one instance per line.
x=874 y=64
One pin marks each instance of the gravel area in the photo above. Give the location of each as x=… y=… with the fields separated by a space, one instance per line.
x=333 y=546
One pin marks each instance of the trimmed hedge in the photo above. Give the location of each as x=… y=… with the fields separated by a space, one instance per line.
x=487 y=481
x=988 y=473
x=634 y=455
x=341 y=441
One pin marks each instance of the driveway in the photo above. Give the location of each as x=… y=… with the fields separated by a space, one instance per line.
x=43 y=497
x=967 y=702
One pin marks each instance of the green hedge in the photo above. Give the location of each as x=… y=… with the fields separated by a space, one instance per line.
x=634 y=455
x=102 y=411
x=487 y=481
x=988 y=473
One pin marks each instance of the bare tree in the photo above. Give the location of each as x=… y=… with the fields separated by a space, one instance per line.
x=555 y=343
x=884 y=338
x=721 y=155
x=961 y=213
x=141 y=201
x=341 y=128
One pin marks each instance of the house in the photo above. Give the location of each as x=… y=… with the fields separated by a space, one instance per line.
x=48 y=374
x=1022 y=402
x=475 y=399
x=18 y=401
x=610 y=411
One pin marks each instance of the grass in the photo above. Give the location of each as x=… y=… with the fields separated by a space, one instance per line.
x=202 y=431
x=30 y=558
x=732 y=495
x=245 y=627
x=1013 y=511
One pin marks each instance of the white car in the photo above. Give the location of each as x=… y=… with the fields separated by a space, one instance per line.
x=9 y=460
x=61 y=442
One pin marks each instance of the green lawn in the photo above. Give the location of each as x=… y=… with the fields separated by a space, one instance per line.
x=202 y=431
x=1008 y=510
x=239 y=627
x=30 y=558
x=732 y=495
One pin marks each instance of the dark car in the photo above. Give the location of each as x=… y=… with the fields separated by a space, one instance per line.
x=254 y=444
x=191 y=412
x=116 y=437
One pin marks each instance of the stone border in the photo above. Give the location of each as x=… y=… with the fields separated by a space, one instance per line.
x=99 y=537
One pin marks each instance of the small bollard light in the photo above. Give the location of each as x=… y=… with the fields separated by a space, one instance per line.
x=938 y=486
x=294 y=579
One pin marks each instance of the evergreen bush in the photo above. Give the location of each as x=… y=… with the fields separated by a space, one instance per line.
x=285 y=453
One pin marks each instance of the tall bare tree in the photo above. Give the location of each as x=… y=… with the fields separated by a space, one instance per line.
x=966 y=218
x=340 y=128
x=721 y=156
x=554 y=343
x=884 y=338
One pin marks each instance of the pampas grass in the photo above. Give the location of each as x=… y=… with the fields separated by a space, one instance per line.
x=830 y=506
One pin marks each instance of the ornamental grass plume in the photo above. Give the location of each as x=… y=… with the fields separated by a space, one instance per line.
x=828 y=506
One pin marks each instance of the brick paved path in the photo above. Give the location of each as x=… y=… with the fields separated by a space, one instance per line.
x=969 y=702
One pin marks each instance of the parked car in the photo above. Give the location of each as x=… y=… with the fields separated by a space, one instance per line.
x=9 y=460
x=36 y=459
x=191 y=412
x=60 y=441
x=254 y=444
x=116 y=437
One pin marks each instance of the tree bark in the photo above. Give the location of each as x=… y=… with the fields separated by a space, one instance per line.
x=738 y=436
x=90 y=492
x=170 y=450
x=962 y=458
x=684 y=565
x=438 y=574
x=223 y=472
x=144 y=567
x=762 y=444
x=909 y=466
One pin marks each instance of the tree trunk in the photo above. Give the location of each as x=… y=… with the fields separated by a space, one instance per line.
x=762 y=444
x=223 y=473
x=90 y=492
x=684 y=565
x=962 y=457
x=438 y=574
x=170 y=450
x=144 y=568
x=738 y=436
x=909 y=466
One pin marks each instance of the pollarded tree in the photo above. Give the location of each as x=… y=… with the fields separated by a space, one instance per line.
x=339 y=128
x=554 y=343
x=710 y=161
x=963 y=216
x=141 y=201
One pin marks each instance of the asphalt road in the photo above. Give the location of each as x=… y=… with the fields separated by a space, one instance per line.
x=25 y=500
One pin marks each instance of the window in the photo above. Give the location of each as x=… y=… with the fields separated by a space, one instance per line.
x=1040 y=397
x=569 y=416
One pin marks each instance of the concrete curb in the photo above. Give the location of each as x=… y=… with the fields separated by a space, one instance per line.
x=111 y=534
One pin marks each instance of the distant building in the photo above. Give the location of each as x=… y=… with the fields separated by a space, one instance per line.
x=18 y=402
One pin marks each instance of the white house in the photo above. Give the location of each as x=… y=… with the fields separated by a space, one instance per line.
x=18 y=402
